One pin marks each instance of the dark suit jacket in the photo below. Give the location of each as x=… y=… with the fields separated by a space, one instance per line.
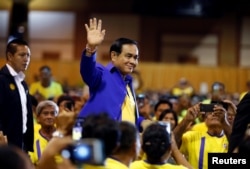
x=11 y=120
x=241 y=120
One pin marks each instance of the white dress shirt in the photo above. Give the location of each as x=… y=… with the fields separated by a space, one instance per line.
x=19 y=77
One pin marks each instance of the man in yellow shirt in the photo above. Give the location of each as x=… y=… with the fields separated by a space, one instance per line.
x=46 y=87
x=197 y=144
x=46 y=113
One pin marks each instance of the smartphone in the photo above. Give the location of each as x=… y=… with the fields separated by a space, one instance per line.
x=207 y=107
x=77 y=132
x=167 y=125
x=68 y=105
x=140 y=100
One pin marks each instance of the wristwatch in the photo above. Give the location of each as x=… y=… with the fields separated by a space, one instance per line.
x=57 y=134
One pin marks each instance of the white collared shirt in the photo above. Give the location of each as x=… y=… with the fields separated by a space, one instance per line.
x=19 y=77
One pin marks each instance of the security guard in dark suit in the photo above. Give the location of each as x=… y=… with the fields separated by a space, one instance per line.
x=16 y=119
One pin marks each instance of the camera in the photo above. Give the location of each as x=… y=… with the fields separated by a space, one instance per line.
x=85 y=151
x=207 y=107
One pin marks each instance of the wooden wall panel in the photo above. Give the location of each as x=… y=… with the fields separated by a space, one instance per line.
x=155 y=76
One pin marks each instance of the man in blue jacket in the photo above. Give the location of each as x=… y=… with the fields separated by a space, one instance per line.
x=110 y=87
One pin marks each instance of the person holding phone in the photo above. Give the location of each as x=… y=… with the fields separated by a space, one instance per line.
x=196 y=145
x=218 y=96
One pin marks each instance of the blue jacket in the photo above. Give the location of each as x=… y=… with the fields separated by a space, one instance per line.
x=107 y=89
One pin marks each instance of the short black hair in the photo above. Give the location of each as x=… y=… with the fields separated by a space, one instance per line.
x=101 y=126
x=155 y=142
x=163 y=101
x=11 y=46
x=118 y=43
x=129 y=134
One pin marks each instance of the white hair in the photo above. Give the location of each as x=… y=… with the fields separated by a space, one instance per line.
x=45 y=103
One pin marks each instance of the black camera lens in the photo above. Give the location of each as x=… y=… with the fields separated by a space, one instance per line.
x=85 y=151
x=78 y=153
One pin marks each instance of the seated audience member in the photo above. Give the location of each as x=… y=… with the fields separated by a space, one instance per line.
x=96 y=126
x=158 y=146
x=196 y=145
x=128 y=149
x=46 y=87
x=161 y=105
x=46 y=113
x=170 y=116
x=182 y=87
x=11 y=157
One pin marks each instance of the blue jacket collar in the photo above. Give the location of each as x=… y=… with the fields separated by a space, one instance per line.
x=110 y=66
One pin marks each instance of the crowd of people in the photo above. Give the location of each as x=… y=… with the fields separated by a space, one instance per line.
x=113 y=126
